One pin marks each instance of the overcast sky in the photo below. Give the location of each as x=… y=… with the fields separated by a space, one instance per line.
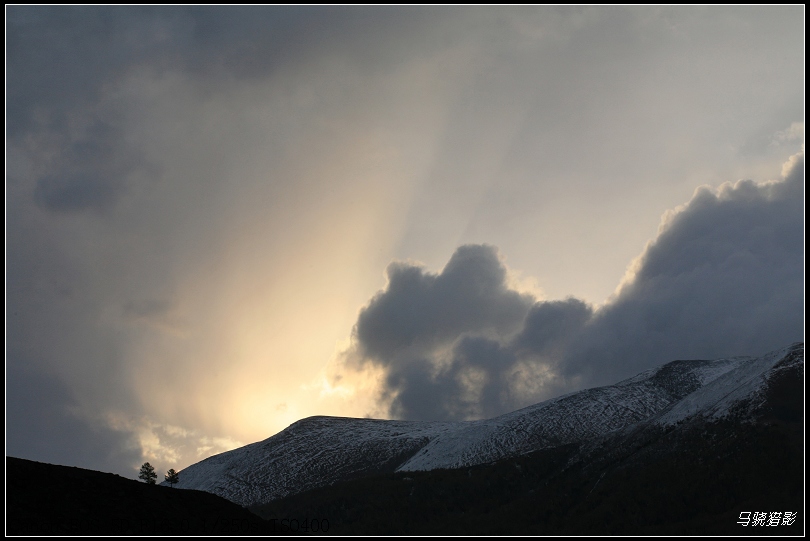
x=222 y=220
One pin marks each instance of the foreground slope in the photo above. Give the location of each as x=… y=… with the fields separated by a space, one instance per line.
x=320 y=451
x=45 y=499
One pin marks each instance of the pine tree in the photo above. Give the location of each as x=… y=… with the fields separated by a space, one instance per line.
x=148 y=473
x=172 y=477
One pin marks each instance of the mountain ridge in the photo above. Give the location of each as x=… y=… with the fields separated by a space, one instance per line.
x=320 y=451
x=702 y=475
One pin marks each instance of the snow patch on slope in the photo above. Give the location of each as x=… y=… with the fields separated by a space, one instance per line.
x=313 y=452
x=747 y=381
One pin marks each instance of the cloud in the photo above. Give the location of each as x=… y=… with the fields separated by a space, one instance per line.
x=67 y=67
x=461 y=344
x=43 y=424
x=438 y=335
x=723 y=277
x=166 y=445
x=420 y=311
x=550 y=327
x=178 y=177
x=794 y=132
x=75 y=192
x=88 y=172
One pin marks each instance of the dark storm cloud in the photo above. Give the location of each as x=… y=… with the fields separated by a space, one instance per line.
x=60 y=63
x=439 y=335
x=88 y=174
x=63 y=61
x=477 y=382
x=724 y=277
x=420 y=311
x=453 y=343
x=60 y=58
x=255 y=42
x=550 y=326
x=78 y=192
x=41 y=425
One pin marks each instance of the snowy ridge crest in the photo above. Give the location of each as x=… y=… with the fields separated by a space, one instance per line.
x=746 y=382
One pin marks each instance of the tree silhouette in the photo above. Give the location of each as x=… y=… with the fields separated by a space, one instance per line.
x=172 y=477
x=147 y=474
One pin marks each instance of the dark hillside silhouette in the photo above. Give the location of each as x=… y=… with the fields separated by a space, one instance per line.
x=44 y=499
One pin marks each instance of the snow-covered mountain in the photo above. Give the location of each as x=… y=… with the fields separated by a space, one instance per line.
x=743 y=386
x=320 y=451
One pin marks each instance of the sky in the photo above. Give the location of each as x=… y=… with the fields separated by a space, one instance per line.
x=222 y=220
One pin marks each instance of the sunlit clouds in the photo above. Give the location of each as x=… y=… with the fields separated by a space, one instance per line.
x=222 y=220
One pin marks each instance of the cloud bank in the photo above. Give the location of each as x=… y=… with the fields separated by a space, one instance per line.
x=724 y=277
x=200 y=199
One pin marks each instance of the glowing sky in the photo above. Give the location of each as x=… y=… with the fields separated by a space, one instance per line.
x=222 y=220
